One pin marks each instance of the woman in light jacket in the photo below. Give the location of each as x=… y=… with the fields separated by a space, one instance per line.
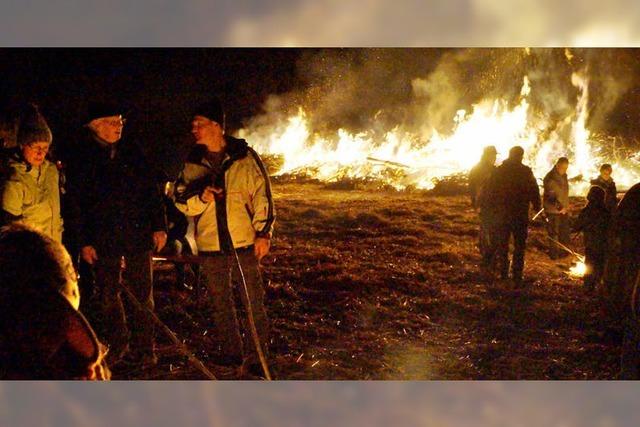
x=31 y=185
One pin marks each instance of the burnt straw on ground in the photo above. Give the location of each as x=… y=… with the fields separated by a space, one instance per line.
x=385 y=285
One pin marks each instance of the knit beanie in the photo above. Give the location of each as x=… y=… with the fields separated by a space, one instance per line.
x=212 y=110
x=33 y=127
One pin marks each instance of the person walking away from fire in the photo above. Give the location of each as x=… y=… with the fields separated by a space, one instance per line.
x=115 y=210
x=478 y=179
x=512 y=190
x=225 y=187
x=621 y=289
x=31 y=185
x=605 y=181
x=556 y=207
x=593 y=222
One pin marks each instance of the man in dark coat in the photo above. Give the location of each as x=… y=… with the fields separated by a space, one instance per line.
x=556 y=207
x=622 y=280
x=115 y=210
x=512 y=189
x=594 y=221
x=607 y=183
x=478 y=179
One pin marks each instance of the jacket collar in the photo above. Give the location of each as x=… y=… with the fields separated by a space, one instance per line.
x=19 y=163
x=235 y=149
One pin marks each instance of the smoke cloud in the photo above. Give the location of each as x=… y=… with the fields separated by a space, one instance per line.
x=421 y=90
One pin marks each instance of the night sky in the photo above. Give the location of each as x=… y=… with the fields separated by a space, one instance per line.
x=159 y=87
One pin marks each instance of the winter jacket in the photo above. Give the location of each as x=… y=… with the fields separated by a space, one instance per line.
x=594 y=221
x=511 y=189
x=556 y=192
x=611 y=198
x=623 y=261
x=478 y=179
x=112 y=202
x=242 y=212
x=32 y=195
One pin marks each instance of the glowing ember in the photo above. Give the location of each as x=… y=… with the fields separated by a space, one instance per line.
x=578 y=270
x=401 y=158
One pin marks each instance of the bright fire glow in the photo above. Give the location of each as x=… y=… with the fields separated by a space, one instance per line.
x=578 y=270
x=401 y=158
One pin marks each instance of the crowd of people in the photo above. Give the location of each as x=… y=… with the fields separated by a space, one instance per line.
x=508 y=199
x=103 y=206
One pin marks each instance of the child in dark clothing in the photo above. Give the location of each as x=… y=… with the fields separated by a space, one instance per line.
x=594 y=221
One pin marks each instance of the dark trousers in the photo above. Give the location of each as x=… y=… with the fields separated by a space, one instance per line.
x=518 y=229
x=559 y=230
x=595 y=260
x=125 y=328
x=487 y=238
x=222 y=279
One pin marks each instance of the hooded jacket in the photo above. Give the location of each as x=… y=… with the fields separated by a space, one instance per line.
x=32 y=195
x=556 y=192
x=611 y=198
x=594 y=221
x=242 y=212
x=478 y=178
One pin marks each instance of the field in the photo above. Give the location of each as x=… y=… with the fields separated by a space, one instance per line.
x=365 y=284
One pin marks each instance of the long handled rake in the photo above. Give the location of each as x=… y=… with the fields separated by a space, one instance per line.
x=252 y=322
x=182 y=347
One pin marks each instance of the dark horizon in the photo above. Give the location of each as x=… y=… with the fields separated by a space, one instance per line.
x=344 y=87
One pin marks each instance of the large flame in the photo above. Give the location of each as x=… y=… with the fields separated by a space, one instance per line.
x=421 y=162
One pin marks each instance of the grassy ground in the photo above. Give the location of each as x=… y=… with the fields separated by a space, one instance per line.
x=385 y=285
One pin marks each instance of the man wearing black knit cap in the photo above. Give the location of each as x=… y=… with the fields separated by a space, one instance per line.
x=114 y=210
x=225 y=187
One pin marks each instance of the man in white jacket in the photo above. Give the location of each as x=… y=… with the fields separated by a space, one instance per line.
x=225 y=187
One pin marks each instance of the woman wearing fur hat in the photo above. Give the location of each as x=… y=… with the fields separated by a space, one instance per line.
x=31 y=188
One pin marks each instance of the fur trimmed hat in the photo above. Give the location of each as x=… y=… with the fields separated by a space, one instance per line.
x=32 y=127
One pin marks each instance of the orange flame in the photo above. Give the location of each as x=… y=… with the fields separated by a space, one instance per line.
x=424 y=161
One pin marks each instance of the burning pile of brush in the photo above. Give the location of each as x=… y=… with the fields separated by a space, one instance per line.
x=405 y=159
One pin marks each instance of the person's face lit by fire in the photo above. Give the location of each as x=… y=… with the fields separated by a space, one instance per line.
x=492 y=157
x=206 y=131
x=605 y=173
x=562 y=167
x=108 y=129
x=35 y=152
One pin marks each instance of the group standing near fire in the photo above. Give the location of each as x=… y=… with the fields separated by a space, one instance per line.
x=504 y=195
x=115 y=219
x=609 y=229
